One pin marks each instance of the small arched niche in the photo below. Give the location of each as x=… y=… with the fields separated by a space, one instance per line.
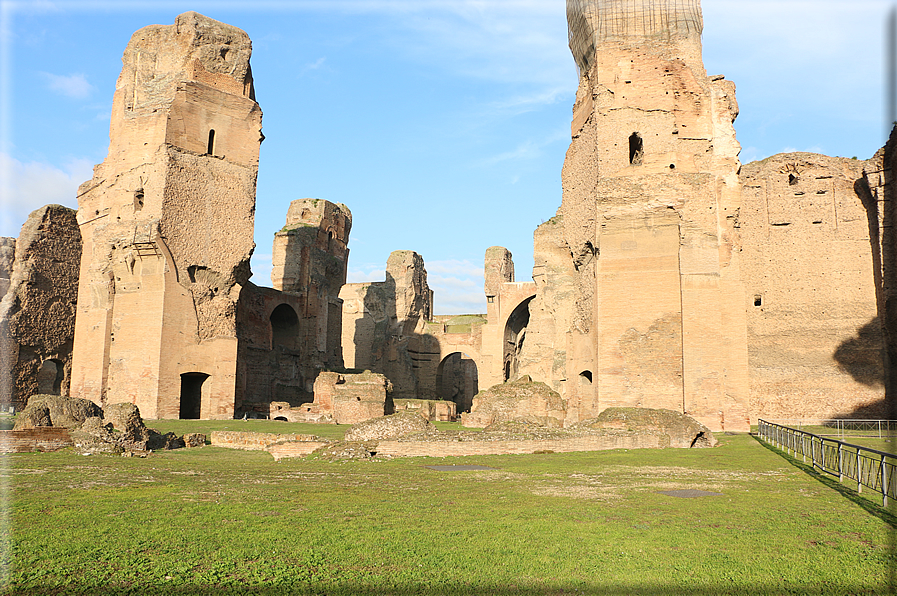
x=284 y=327
x=50 y=377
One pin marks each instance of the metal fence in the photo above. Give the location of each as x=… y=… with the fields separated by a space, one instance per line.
x=842 y=427
x=869 y=468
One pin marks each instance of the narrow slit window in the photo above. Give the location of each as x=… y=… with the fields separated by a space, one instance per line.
x=211 y=150
x=636 y=149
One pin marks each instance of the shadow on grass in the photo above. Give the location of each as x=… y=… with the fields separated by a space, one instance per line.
x=493 y=590
x=846 y=492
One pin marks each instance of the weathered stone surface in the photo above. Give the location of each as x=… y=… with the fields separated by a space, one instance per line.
x=674 y=429
x=813 y=253
x=388 y=427
x=125 y=418
x=37 y=310
x=7 y=258
x=430 y=409
x=641 y=262
x=522 y=398
x=192 y=440
x=167 y=225
x=344 y=450
x=384 y=325
x=56 y=410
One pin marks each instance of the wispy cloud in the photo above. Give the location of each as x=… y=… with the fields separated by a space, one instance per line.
x=457 y=286
x=74 y=86
x=26 y=186
x=316 y=65
x=365 y=273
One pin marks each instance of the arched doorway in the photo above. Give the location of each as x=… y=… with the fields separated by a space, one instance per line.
x=284 y=327
x=191 y=395
x=50 y=376
x=515 y=331
x=457 y=380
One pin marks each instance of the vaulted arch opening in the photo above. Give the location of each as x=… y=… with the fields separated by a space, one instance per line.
x=515 y=332
x=50 y=377
x=457 y=380
x=284 y=327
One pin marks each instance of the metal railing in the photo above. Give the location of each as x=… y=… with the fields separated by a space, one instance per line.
x=869 y=468
x=842 y=427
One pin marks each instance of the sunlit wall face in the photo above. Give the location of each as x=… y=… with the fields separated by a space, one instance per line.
x=591 y=22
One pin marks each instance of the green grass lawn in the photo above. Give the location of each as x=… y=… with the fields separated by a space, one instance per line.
x=217 y=521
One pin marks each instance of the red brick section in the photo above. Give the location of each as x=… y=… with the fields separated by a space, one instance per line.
x=445 y=448
x=253 y=441
x=46 y=438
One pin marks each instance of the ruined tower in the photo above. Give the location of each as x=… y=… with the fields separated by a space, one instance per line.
x=289 y=333
x=640 y=300
x=167 y=225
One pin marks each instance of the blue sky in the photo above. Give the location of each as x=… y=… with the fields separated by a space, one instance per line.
x=441 y=124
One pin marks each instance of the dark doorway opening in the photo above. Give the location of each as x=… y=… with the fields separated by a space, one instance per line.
x=636 y=149
x=191 y=395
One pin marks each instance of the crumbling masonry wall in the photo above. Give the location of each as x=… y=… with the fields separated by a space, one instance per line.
x=289 y=334
x=37 y=312
x=167 y=225
x=385 y=327
x=812 y=257
x=637 y=274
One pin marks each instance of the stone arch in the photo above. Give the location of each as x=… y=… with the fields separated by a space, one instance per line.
x=284 y=327
x=514 y=333
x=191 y=395
x=457 y=380
x=50 y=377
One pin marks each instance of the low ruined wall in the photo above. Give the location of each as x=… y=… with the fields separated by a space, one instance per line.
x=430 y=409
x=46 y=438
x=294 y=449
x=233 y=439
x=519 y=447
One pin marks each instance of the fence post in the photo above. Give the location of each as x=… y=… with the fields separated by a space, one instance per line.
x=840 y=462
x=884 y=483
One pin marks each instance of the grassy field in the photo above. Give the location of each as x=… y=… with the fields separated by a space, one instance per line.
x=216 y=521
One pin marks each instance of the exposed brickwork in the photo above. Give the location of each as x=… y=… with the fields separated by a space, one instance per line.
x=45 y=438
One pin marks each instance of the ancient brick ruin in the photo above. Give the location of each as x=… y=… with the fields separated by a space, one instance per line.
x=40 y=287
x=671 y=277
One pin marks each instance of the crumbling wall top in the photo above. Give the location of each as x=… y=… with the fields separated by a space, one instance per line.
x=195 y=48
x=592 y=22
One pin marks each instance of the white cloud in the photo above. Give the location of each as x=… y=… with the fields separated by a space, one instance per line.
x=74 y=85
x=317 y=64
x=457 y=286
x=365 y=273
x=26 y=186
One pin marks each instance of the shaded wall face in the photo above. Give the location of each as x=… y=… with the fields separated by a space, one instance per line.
x=272 y=364
x=812 y=276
